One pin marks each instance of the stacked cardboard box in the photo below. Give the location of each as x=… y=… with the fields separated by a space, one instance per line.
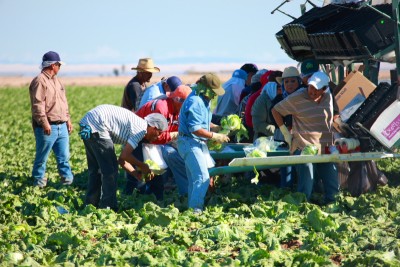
x=351 y=93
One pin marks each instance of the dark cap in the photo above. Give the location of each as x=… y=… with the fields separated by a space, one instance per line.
x=51 y=56
x=173 y=82
x=308 y=67
x=210 y=80
x=249 y=68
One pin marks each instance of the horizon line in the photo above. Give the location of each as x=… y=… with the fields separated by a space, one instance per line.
x=122 y=69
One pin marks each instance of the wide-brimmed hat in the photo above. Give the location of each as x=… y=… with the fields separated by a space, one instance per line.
x=287 y=73
x=146 y=65
x=210 y=80
x=319 y=79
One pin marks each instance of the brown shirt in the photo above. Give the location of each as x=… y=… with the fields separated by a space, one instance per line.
x=312 y=121
x=48 y=99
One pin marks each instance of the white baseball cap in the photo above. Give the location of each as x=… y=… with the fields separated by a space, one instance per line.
x=319 y=79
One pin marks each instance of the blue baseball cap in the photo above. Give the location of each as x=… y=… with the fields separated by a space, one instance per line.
x=241 y=74
x=52 y=56
x=173 y=82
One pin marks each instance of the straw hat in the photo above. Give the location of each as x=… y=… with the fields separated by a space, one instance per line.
x=147 y=65
x=288 y=72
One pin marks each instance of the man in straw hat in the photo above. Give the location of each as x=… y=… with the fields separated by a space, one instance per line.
x=135 y=87
x=194 y=131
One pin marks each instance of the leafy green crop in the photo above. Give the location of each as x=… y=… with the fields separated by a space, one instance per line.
x=243 y=224
x=310 y=150
x=231 y=125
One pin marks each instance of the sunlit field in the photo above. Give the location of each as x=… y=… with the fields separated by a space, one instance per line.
x=243 y=224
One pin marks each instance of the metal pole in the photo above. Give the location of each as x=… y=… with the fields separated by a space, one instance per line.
x=395 y=11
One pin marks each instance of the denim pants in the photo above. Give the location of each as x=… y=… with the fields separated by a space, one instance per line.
x=287 y=176
x=192 y=152
x=155 y=186
x=58 y=141
x=177 y=166
x=103 y=172
x=308 y=173
x=288 y=173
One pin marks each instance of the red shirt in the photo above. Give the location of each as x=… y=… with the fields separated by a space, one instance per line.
x=166 y=108
x=249 y=105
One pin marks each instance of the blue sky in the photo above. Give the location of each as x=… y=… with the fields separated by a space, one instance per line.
x=172 y=32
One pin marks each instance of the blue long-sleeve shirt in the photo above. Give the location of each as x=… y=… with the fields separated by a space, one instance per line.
x=195 y=114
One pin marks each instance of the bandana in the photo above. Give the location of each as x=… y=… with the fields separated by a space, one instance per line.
x=202 y=89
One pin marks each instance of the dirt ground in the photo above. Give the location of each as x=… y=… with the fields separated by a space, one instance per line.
x=9 y=81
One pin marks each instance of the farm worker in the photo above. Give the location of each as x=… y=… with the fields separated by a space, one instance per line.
x=194 y=131
x=290 y=81
x=51 y=120
x=101 y=128
x=312 y=115
x=263 y=123
x=228 y=103
x=244 y=97
x=135 y=88
x=163 y=87
x=248 y=121
x=169 y=107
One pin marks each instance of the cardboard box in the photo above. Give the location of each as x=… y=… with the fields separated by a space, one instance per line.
x=352 y=92
x=386 y=128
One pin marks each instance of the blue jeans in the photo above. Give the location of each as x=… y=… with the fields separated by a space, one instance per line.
x=288 y=173
x=155 y=186
x=103 y=172
x=177 y=166
x=191 y=150
x=308 y=173
x=58 y=141
x=287 y=176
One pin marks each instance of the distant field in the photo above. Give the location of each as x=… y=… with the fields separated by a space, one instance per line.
x=97 y=81
x=6 y=81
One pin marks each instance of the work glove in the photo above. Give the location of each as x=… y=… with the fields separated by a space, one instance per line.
x=216 y=128
x=220 y=138
x=173 y=135
x=85 y=131
x=286 y=134
x=340 y=124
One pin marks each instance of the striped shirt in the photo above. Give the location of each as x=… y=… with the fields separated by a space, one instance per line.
x=116 y=123
x=312 y=121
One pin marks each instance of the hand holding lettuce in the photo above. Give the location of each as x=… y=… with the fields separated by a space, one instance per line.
x=220 y=138
x=310 y=150
x=230 y=125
